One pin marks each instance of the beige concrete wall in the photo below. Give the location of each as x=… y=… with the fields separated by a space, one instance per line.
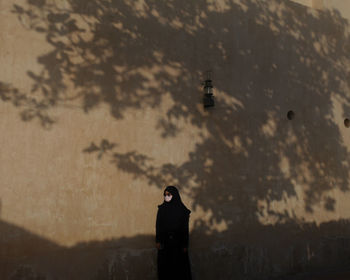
x=101 y=107
x=338 y=6
x=308 y=3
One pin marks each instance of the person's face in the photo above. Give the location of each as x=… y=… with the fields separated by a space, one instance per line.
x=167 y=196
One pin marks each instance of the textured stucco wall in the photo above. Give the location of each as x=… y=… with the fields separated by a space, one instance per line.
x=101 y=108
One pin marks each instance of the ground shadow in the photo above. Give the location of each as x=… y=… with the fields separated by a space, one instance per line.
x=25 y=255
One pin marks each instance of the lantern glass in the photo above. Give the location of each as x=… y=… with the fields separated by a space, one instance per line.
x=208 y=90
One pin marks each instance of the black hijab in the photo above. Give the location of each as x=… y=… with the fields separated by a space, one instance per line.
x=174 y=212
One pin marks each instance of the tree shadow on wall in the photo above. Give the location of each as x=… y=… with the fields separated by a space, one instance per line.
x=267 y=57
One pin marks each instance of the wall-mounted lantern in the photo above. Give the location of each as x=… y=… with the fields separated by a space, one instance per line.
x=208 y=98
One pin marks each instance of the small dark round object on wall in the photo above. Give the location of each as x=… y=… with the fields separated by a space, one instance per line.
x=347 y=123
x=290 y=115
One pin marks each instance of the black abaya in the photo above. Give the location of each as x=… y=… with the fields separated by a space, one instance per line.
x=172 y=234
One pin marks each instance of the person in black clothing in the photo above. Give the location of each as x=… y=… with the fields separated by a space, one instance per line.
x=172 y=237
